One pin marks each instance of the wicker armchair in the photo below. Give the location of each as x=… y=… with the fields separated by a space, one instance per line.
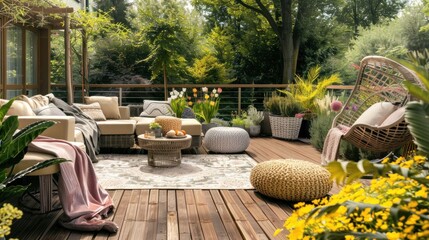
x=380 y=79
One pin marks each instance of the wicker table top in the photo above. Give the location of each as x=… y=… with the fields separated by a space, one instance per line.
x=164 y=143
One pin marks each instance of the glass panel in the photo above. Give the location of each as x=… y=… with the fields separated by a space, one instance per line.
x=14 y=55
x=30 y=58
x=31 y=92
x=13 y=93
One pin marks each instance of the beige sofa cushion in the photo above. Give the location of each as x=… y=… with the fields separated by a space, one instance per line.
x=109 y=105
x=36 y=101
x=18 y=108
x=32 y=158
x=93 y=110
x=117 y=127
x=190 y=125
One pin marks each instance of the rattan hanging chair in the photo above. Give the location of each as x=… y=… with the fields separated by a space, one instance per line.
x=379 y=80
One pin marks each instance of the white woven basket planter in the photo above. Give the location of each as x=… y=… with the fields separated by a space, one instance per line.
x=285 y=127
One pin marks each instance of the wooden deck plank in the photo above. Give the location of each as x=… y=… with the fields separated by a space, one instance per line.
x=172 y=221
x=162 y=216
x=194 y=223
x=187 y=214
x=227 y=219
x=184 y=231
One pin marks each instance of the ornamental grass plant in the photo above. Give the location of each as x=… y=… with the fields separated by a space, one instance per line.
x=205 y=104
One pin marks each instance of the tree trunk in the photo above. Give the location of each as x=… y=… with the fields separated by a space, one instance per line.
x=286 y=41
x=297 y=34
x=165 y=82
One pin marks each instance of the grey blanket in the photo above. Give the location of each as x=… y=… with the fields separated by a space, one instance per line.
x=85 y=124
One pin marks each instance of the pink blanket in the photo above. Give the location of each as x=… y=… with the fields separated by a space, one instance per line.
x=84 y=201
x=332 y=144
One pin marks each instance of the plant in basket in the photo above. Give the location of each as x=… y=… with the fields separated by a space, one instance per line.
x=285 y=118
x=156 y=128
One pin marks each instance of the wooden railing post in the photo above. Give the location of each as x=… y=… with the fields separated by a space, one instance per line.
x=120 y=97
x=239 y=101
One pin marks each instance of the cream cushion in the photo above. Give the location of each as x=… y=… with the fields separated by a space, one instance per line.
x=376 y=114
x=117 y=127
x=36 y=101
x=18 y=108
x=93 y=110
x=394 y=117
x=109 y=105
x=291 y=179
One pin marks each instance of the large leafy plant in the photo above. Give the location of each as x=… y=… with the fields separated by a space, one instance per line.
x=13 y=146
x=307 y=90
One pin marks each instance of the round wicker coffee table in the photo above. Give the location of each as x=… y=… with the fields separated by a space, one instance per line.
x=164 y=152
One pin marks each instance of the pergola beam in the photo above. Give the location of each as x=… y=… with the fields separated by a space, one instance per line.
x=68 y=59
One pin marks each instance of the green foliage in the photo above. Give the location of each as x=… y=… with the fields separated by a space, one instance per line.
x=237 y=121
x=117 y=10
x=319 y=128
x=209 y=70
x=283 y=106
x=13 y=147
x=154 y=125
x=307 y=90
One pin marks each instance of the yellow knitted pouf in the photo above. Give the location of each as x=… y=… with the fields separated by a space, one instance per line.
x=291 y=179
x=169 y=123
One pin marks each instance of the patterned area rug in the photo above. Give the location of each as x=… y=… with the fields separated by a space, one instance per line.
x=203 y=171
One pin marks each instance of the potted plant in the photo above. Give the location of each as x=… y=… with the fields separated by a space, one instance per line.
x=255 y=118
x=283 y=116
x=205 y=106
x=306 y=91
x=156 y=128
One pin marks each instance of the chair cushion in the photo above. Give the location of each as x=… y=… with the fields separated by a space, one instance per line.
x=93 y=110
x=191 y=126
x=18 y=108
x=394 y=117
x=109 y=105
x=117 y=127
x=156 y=108
x=376 y=114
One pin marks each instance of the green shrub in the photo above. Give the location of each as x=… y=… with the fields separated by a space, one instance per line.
x=319 y=129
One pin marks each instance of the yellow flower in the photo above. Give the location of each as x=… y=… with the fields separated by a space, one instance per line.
x=422 y=193
x=212 y=103
x=206 y=96
x=194 y=90
x=419 y=159
x=393 y=235
x=190 y=103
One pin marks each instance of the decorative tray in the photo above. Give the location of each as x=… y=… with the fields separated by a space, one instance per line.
x=184 y=136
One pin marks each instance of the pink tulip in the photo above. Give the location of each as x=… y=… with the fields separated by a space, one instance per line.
x=299 y=115
x=219 y=90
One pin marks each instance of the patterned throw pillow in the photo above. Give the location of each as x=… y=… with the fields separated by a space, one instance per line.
x=36 y=101
x=49 y=110
x=156 y=108
x=93 y=110
x=109 y=105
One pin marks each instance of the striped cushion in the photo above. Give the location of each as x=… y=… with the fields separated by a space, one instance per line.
x=156 y=108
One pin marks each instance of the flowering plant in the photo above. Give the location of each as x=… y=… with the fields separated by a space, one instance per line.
x=205 y=106
x=7 y=214
x=179 y=101
x=394 y=206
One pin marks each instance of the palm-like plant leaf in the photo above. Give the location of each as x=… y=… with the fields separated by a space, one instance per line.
x=11 y=191
x=416 y=115
x=4 y=108
x=20 y=141
x=33 y=168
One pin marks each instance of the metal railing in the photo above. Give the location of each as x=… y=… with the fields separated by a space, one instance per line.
x=234 y=97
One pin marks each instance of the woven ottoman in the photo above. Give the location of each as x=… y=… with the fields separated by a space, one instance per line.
x=226 y=140
x=291 y=180
x=168 y=123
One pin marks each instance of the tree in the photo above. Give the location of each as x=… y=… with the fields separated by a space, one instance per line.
x=290 y=21
x=117 y=9
x=364 y=13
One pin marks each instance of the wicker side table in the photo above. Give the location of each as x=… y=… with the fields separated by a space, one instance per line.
x=164 y=152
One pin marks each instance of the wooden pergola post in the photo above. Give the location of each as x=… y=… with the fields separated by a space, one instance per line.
x=85 y=65
x=68 y=60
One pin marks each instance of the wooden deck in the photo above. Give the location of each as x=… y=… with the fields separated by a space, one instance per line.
x=187 y=214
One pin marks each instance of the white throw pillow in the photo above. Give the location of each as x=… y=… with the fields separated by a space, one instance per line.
x=376 y=114
x=18 y=108
x=394 y=117
x=109 y=105
x=156 y=108
x=93 y=110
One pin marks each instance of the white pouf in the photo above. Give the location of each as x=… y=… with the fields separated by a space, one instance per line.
x=226 y=140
